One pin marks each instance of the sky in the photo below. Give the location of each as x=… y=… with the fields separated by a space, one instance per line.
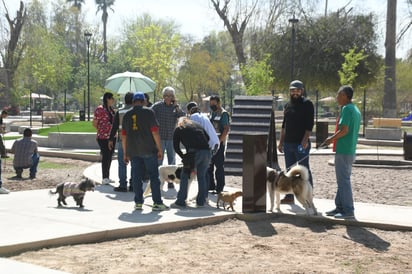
x=198 y=18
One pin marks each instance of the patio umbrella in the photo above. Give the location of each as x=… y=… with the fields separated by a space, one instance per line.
x=122 y=83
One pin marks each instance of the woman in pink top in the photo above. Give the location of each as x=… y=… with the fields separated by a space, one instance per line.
x=102 y=121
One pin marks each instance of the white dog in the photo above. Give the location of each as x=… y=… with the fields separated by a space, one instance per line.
x=169 y=174
x=296 y=181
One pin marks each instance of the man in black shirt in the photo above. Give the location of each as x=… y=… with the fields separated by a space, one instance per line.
x=197 y=157
x=297 y=126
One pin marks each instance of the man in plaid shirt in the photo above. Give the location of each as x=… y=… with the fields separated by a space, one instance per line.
x=167 y=112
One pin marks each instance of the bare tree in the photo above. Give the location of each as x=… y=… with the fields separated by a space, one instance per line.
x=389 y=96
x=236 y=25
x=13 y=51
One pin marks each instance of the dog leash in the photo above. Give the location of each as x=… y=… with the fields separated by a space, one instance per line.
x=321 y=146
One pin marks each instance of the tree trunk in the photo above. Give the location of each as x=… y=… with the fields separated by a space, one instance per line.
x=14 y=51
x=389 y=96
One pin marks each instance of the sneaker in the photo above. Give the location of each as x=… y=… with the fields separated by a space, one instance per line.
x=159 y=207
x=107 y=181
x=120 y=189
x=332 y=212
x=138 y=206
x=177 y=206
x=4 y=191
x=32 y=177
x=344 y=216
x=288 y=200
x=17 y=177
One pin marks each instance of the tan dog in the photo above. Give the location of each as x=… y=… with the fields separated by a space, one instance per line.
x=296 y=181
x=228 y=197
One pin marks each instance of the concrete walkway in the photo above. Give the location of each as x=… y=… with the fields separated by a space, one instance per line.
x=31 y=219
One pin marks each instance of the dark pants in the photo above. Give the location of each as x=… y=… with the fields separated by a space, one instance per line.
x=2 y=147
x=107 y=155
x=218 y=161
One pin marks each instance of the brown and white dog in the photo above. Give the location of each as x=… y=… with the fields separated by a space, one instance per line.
x=228 y=197
x=169 y=174
x=295 y=181
x=76 y=190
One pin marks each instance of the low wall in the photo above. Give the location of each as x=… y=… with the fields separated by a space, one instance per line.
x=75 y=140
x=383 y=133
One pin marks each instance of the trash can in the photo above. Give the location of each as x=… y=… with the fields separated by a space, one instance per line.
x=321 y=132
x=407 y=146
x=82 y=115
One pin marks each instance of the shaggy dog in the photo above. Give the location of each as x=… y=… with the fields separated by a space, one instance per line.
x=169 y=174
x=77 y=190
x=228 y=197
x=295 y=181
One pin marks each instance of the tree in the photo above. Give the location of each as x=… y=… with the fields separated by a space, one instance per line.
x=103 y=6
x=236 y=25
x=347 y=73
x=389 y=97
x=13 y=52
x=77 y=7
x=259 y=77
x=320 y=43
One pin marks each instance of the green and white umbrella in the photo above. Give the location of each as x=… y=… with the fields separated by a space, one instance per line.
x=122 y=83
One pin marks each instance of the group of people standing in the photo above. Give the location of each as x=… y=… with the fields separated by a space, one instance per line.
x=145 y=133
x=294 y=142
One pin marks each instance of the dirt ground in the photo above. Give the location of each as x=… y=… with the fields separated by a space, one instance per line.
x=277 y=245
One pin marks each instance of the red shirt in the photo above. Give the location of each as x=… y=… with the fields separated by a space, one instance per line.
x=104 y=119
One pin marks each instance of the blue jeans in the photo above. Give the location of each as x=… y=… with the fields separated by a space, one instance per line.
x=202 y=160
x=343 y=170
x=35 y=158
x=218 y=161
x=171 y=157
x=140 y=164
x=292 y=156
x=122 y=168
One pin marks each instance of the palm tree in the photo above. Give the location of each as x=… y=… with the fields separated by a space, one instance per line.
x=77 y=6
x=103 y=5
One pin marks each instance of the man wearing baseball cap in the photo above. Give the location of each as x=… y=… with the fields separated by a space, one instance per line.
x=141 y=145
x=298 y=120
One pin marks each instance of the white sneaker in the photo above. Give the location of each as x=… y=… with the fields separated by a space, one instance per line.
x=107 y=181
x=4 y=191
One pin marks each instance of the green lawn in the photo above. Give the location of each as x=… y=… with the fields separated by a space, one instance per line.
x=79 y=126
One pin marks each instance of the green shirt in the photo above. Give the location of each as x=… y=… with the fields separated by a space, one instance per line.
x=350 y=116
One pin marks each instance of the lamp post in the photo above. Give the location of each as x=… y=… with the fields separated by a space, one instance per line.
x=293 y=20
x=88 y=36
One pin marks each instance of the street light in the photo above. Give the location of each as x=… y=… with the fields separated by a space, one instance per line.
x=293 y=20
x=88 y=36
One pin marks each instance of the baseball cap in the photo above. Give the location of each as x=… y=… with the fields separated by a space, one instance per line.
x=138 y=96
x=296 y=84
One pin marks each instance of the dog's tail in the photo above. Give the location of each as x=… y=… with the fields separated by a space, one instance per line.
x=51 y=192
x=298 y=171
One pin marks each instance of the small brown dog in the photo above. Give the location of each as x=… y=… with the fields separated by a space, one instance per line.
x=76 y=190
x=228 y=197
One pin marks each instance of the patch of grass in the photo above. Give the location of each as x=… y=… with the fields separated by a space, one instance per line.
x=11 y=137
x=51 y=165
x=78 y=126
